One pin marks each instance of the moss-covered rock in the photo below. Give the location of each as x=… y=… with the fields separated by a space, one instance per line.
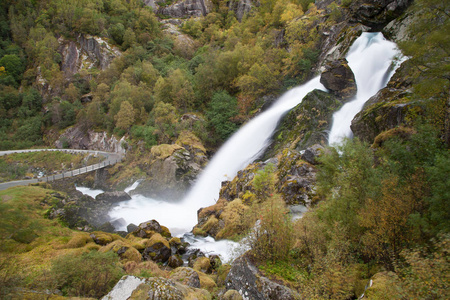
x=175 y=261
x=245 y=277
x=79 y=239
x=306 y=124
x=171 y=169
x=124 y=249
x=103 y=238
x=392 y=106
x=202 y=264
x=296 y=178
x=186 y=276
x=339 y=79
x=231 y=295
x=157 y=249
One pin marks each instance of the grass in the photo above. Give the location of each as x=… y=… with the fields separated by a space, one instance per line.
x=282 y=270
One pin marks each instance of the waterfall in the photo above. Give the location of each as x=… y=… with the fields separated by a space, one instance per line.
x=371 y=60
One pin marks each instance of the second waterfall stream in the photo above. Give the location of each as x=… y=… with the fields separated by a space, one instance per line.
x=370 y=58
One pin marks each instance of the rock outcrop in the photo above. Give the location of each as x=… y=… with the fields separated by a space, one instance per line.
x=87 y=52
x=183 y=9
x=241 y=7
x=339 y=79
x=388 y=109
x=306 y=124
x=113 y=197
x=377 y=13
x=296 y=178
x=154 y=288
x=78 y=211
x=77 y=138
x=245 y=278
x=171 y=169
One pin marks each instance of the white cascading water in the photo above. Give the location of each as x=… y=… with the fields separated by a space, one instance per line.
x=371 y=60
x=240 y=150
x=369 y=57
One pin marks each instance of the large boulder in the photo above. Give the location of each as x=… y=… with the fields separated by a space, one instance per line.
x=245 y=278
x=157 y=249
x=158 y=252
x=154 y=288
x=339 y=79
x=186 y=276
x=113 y=197
x=147 y=229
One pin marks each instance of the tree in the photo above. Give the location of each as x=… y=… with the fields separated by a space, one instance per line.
x=221 y=110
x=125 y=117
x=13 y=66
x=165 y=120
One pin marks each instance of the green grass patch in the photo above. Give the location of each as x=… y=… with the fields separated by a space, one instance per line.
x=282 y=269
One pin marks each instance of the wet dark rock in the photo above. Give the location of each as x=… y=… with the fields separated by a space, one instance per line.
x=131 y=227
x=106 y=227
x=118 y=223
x=215 y=261
x=158 y=252
x=306 y=124
x=339 y=79
x=113 y=197
x=388 y=109
x=312 y=153
x=377 y=13
x=175 y=261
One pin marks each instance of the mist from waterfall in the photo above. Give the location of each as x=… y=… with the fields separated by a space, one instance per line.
x=370 y=58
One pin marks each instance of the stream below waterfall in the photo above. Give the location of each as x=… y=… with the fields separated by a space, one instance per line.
x=371 y=59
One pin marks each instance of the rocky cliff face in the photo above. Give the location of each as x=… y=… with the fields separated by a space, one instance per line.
x=181 y=9
x=85 y=53
x=171 y=169
x=241 y=7
x=377 y=13
x=77 y=138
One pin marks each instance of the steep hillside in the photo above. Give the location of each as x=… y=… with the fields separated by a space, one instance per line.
x=169 y=82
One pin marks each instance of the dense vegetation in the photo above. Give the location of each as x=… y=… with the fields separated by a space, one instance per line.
x=380 y=210
x=156 y=79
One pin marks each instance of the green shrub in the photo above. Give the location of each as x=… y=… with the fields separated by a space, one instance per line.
x=90 y=274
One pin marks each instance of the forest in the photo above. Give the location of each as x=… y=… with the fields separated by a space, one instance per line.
x=380 y=208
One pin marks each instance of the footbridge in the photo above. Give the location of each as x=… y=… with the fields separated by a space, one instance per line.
x=111 y=158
